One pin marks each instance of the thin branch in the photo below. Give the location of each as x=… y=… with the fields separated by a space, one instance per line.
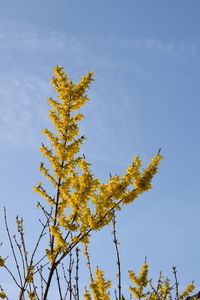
x=80 y=237
x=156 y=291
x=39 y=239
x=71 y=262
x=47 y=215
x=58 y=282
x=35 y=290
x=21 y=254
x=33 y=254
x=12 y=247
x=77 y=274
x=116 y=295
x=13 y=277
x=41 y=282
x=118 y=258
x=39 y=261
x=176 y=282
x=65 y=277
x=88 y=262
x=21 y=232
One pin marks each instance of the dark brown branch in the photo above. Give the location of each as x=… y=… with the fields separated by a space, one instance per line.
x=176 y=282
x=118 y=258
x=65 y=277
x=13 y=277
x=41 y=281
x=58 y=282
x=71 y=262
x=77 y=274
x=47 y=215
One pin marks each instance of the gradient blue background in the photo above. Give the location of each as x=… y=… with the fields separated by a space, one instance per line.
x=146 y=58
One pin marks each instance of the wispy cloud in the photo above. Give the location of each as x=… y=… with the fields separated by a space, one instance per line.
x=26 y=54
x=184 y=47
x=21 y=108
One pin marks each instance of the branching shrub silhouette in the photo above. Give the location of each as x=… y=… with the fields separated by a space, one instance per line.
x=79 y=206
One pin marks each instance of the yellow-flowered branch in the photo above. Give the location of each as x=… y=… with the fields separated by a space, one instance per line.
x=142 y=287
x=82 y=203
x=99 y=287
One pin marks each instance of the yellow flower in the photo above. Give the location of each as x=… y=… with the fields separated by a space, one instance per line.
x=99 y=287
x=82 y=203
x=32 y=296
x=140 y=282
x=2 y=295
x=30 y=274
x=87 y=295
x=187 y=292
x=2 y=262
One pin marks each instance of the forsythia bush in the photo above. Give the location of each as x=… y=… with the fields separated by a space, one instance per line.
x=76 y=205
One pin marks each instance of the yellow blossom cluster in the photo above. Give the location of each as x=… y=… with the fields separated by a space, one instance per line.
x=3 y=295
x=19 y=224
x=55 y=231
x=2 y=262
x=187 y=292
x=140 y=282
x=51 y=255
x=81 y=203
x=30 y=273
x=162 y=291
x=32 y=296
x=99 y=287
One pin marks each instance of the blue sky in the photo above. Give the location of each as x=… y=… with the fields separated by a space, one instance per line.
x=146 y=58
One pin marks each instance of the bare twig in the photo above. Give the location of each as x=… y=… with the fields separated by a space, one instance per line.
x=58 y=282
x=39 y=261
x=65 y=277
x=116 y=298
x=118 y=258
x=41 y=281
x=32 y=256
x=21 y=254
x=13 y=277
x=176 y=282
x=12 y=248
x=71 y=262
x=47 y=215
x=77 y=275
x=21 y=232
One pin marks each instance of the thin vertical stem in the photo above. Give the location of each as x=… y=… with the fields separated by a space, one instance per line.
x=12 y=247
x=176 y=282
x=77 y=274
x=70 y=275
x=88 y=262
x=58 y=282
x=118 y=257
